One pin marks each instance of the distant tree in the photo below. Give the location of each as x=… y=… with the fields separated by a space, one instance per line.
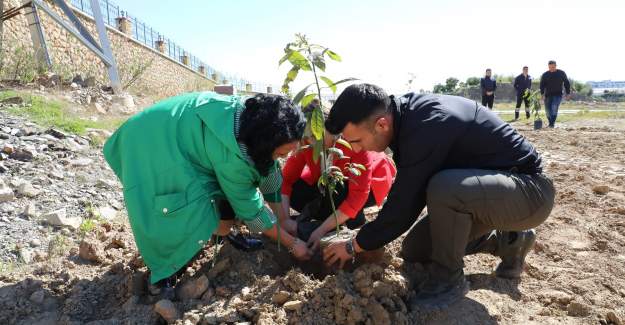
x=473 y=81
x=451 y=84
x=439 y=89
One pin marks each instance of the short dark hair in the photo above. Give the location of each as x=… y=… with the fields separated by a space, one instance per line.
x=267 y=122
x=525 y=67
x=552 y=62
x=488 y=70
x=355 y=104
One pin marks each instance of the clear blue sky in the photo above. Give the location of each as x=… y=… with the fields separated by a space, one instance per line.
x=383 y=41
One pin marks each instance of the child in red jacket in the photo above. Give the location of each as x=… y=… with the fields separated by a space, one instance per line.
x=299 y=188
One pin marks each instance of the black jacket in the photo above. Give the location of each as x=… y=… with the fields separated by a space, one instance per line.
x=551 y=83
x=521 y=83
x=433 y=133
x=488 y=84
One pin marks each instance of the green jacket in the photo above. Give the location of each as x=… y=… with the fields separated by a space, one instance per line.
x=175 y=159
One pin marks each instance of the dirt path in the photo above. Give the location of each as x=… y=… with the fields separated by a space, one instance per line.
x=576 y=274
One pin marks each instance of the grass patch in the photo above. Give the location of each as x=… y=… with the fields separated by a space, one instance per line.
x=52 y=113
x=582 y=115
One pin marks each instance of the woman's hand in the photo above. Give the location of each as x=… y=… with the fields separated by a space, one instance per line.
x=290 y=226
x=300 y=250
x=315 y=237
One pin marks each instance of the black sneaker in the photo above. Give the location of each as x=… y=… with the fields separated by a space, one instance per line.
x=164 y=289
x=513 y=247
x=439 y=292
x=245 y=243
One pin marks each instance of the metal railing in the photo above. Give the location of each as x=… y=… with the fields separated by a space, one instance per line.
x=147 y=36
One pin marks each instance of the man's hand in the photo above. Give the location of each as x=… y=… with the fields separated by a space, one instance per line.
x=315 y=237
x=336 y=252
x=300 y=251
x=568 y=97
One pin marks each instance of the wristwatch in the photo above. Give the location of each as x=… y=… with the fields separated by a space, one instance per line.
x=349 y=247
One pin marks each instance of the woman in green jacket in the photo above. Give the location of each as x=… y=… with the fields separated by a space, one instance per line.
x=189 y=162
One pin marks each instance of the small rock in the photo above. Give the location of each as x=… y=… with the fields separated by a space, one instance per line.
x=89 y=82
x=26 y=255
x=22 y=155
x=35 y=242
x=8 y=149
x=193 y=288
x=74 y=85
x=55 y=174
x=280 y=297
x=12 y=101
x=613 y=318
x=81 y=162
x=167 y=310
x=37 y=297
x=56 y=133
x=91 y=250
x=105 y=183
x=3 y=169
x=107 y=213
x=601 y=189
x=27 y=189
x=222 y=291
x=6 y=193
x=293 y=305
x=578 y=309
x=60 y=218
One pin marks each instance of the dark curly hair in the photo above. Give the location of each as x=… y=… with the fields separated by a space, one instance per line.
x=267 y=122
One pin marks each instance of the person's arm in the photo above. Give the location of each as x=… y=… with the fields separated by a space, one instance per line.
x=516 y=83
x=567 y=84
x=542 y=84
x=494 y=85
x=482 y=85
x=291 y=172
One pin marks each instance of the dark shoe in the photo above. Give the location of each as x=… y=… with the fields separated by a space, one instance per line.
x=527 y=115
x=244 y=243
x=513 y=247
x=440 y=290
x=164 y=289
x=516 y=116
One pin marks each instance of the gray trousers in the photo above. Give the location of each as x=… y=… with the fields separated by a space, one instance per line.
x=464 y=205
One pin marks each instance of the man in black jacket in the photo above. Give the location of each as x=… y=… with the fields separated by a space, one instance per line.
x=482 y=183
x=522 y=83
x=551 y=84
x=488 y=86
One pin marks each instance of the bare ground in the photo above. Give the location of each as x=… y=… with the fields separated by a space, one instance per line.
x=575 y=275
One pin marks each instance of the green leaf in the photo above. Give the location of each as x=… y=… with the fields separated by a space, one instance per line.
x=338 y=152
x=330 y=83
x=297 y=59
x=359 y=166
x=316 y=122
x=333 y=55
x=317 y=151
x=344 y=143
x=308 y=99
x=292 y=74
x=319 y=62
x=355 y=171
x=300 y=95
x=287 y=53
x=345 y=80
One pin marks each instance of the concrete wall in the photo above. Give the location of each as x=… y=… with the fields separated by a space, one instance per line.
x=162 y=76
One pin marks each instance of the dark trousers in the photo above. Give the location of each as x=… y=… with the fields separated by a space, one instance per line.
x=521 y=99
x=304 y=194
x=488 y=100
x=466 y=204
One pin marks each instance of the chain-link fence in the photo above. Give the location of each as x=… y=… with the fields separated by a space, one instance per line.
x=147 y=36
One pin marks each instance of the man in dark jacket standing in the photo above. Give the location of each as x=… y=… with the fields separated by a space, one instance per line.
x=551 y=84
x=488 y=86
x=522 y=83
x=482 y=183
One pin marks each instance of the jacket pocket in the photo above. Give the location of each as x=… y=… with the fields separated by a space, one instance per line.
x=169 y=204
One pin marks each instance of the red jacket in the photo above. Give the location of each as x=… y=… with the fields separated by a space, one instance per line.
x=378 y=176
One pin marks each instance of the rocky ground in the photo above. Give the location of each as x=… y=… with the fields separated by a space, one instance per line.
x=67 y=255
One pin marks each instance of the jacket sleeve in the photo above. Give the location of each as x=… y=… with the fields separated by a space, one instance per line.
x=240 y=190
x=420 y=159
x=494 y=85
x=359 y=187
x=270 y=186
x=293 y=170
x=567 y=83
x=516 y=83
x=542 y=84
x=482 y=86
